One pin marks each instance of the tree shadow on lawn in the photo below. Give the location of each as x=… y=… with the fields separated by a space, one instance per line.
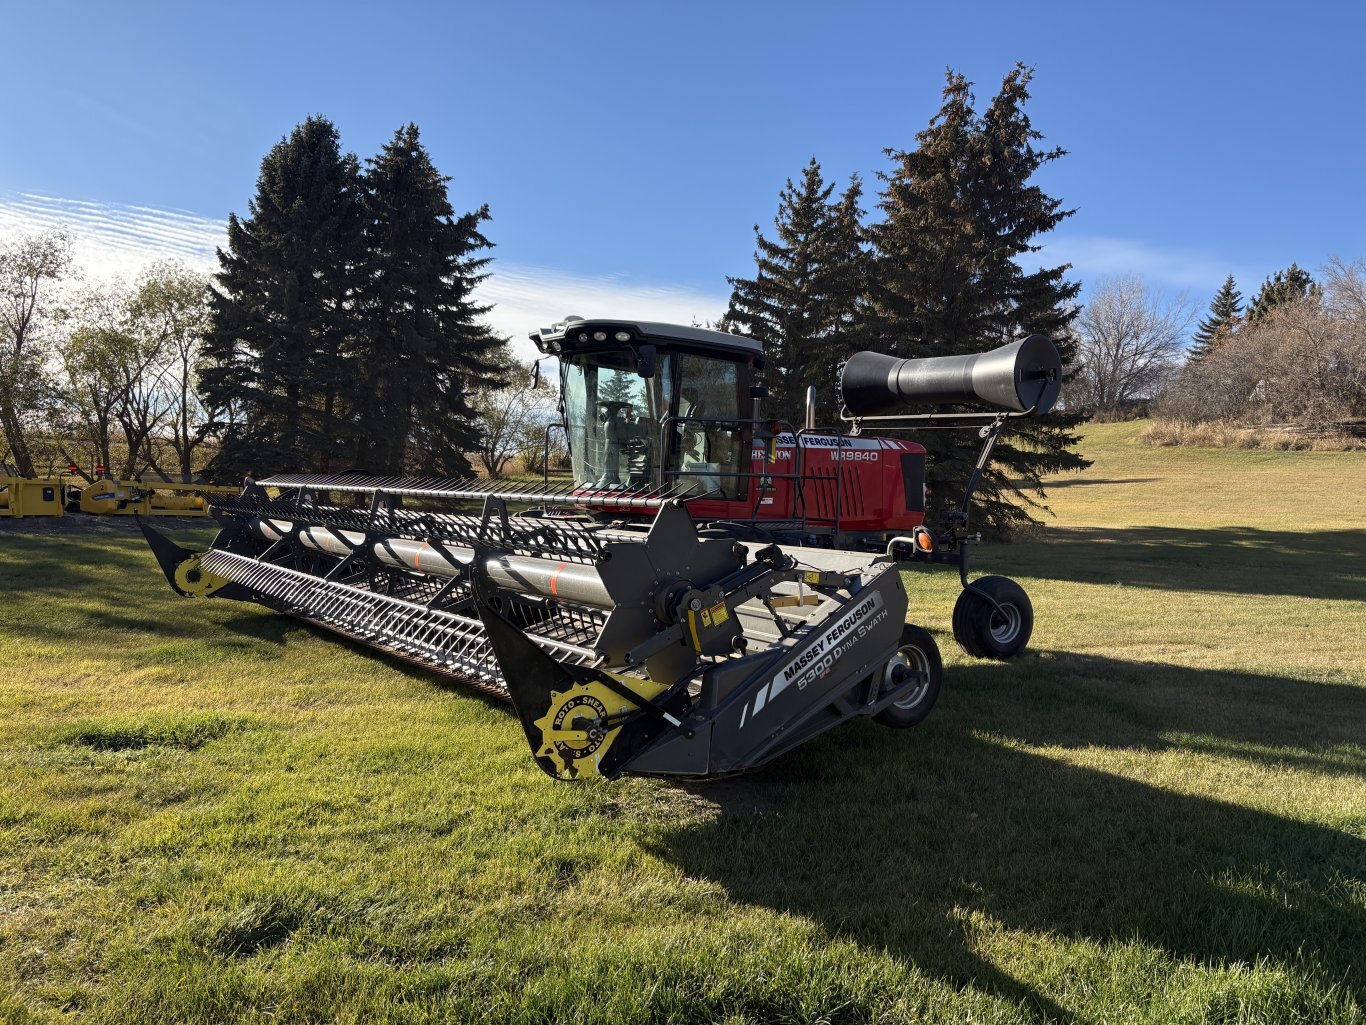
x=1069 y=700
x=1244 y=560
x=1083 y=482
x=55 y=565
x=895 y=839
x=71 y=562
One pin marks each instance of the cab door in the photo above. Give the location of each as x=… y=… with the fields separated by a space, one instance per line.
x=709 y=445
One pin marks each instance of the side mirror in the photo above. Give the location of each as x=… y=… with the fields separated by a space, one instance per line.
x=645 y=360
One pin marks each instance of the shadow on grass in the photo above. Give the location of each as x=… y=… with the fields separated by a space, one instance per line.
x=66 y=562
x=1241 y=560
x=276 y=626
x=1083 y=482
x=1067 y=700
x=907 y=841
x=51 y=565
x=267 y=625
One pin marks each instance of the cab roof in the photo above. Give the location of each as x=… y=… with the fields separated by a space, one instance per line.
x=573 y=329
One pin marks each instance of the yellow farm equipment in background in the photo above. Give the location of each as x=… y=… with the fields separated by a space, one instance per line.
x=60 y=493
x=107 y=496
x=25 y=496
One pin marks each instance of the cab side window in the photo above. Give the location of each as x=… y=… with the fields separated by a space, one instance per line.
x=709 y=447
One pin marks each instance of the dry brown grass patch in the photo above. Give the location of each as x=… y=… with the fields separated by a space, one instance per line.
x=1225 y=434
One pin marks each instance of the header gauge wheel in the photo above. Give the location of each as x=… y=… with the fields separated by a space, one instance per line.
x=988 y=632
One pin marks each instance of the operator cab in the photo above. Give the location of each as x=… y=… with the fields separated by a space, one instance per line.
x=655 y=405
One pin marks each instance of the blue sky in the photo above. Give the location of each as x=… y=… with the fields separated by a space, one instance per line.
x=626 y=150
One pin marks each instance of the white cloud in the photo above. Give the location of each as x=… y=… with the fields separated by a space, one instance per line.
x=1097 y=256
x=119 y=239
x=527 y=298
x=114 y=239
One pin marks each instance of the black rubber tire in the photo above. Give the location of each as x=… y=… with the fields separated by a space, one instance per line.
x=960 y=633
x=980 y=629
x=918 y=650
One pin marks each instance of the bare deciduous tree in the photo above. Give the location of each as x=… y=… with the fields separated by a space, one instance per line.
x=1344 y=289
x=1129 y=343
x=32 y=269
x=171 y=308
x=512 y=419
x=1302 y=363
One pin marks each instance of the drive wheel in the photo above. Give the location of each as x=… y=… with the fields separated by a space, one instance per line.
x=984 y=631
x=918 y=655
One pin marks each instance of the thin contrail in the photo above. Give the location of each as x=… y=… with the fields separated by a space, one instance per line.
x=119 y=239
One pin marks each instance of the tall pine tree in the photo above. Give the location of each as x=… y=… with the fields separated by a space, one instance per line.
x=1286 y=286
x=961 y=215
x=1225 y=310
x=805 y=293
x=425 y=343
x=276 y=376
x=848 y=266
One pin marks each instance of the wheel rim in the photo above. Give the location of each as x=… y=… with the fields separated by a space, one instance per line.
x=918 y=663
x=1005 y=625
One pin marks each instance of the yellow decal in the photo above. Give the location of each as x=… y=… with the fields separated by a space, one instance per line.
x=718 y=614
x=574 y=734
x=812 y=576
x=196 y=581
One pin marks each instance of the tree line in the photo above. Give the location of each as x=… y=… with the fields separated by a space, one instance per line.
x=342 y=329
x=100 y=374
x=1292 y=355
x=1295 y=356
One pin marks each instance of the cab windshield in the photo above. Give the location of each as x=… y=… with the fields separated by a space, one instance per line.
x=613 y=416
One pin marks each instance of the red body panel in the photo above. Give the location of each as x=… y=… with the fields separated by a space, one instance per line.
x=872 y=494
x=858 y=480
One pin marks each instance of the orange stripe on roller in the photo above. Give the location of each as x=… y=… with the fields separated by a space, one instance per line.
x=417 y=559
x=555 y=579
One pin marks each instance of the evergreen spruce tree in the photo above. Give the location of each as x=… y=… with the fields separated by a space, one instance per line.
x=1286 y=286
x=960 y=216
x=847 y=265
x=1225 y=310
x=276 y=375
x=425 y=344
x=807 y=286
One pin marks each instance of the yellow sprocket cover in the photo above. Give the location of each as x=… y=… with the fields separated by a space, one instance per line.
x=572 y=737
x=194 y=580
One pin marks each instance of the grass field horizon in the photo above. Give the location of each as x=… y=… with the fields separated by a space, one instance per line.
x=211 y=813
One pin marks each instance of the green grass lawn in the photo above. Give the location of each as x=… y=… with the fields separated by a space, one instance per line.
x=210 y=813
